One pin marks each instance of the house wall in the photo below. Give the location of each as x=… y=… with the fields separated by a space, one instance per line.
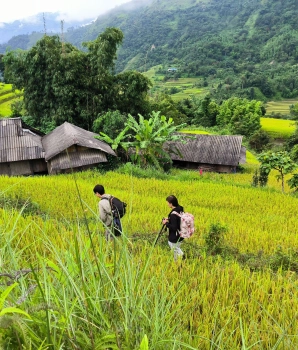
x=217 y=168
x=25 y=167
x=4 y=169
x=20 y=168
x=38 y=166
x=76 y=158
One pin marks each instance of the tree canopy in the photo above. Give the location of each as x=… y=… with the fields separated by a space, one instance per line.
x=1 y=65
x=62 y=83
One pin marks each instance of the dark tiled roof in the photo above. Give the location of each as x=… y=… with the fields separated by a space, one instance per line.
x=67 y=135
x=208 y=149
x=18 y=143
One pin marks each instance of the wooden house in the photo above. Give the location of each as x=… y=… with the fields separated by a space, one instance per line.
x=216 y=153
x=69 y=147
x=21 y=150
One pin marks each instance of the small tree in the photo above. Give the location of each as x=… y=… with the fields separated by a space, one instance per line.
x=279 y=161
x=260 y=179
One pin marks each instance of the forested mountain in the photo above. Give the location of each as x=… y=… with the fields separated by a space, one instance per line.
x=247 y=48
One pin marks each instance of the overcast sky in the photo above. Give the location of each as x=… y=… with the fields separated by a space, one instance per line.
x=71 y=9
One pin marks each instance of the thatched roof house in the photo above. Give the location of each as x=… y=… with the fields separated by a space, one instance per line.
x=21 y=150
x=70 y=147
x=26 y=151
x=219 y=153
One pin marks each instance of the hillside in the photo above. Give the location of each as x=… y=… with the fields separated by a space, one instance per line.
x=247 y=49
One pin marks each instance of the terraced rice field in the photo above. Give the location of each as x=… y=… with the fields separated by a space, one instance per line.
x=282 y=107
x=187 y=86
x=7 y=97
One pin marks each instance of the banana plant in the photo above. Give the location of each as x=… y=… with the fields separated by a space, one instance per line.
x=150 y=136
x=119 y=141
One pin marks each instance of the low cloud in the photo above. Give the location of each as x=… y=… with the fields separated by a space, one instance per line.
x=88 y=9
x=31 y=19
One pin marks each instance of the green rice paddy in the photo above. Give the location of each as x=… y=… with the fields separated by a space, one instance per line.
x=278 y=128
x=201 y=132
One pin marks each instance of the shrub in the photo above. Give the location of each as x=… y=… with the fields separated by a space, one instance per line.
x=294 y=153
x=142 y=172
x=214 y=239
x=259 y=140
x=26 y=206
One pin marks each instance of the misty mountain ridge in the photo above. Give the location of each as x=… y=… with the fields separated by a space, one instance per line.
x=49 y=22
x=52 y=22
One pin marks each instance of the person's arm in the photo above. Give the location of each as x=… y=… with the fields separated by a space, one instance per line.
x=174 y=222
x=104 y=210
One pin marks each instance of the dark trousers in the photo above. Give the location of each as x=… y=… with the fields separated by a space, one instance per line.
x=117 y=226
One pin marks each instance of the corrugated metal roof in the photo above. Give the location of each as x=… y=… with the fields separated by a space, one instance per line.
x=18 y=144
x=208 y=149
x=67 y=135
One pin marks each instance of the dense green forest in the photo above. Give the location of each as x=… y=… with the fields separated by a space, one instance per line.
x=247 y=49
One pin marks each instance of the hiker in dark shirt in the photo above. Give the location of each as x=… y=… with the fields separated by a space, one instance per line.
x=173 y=225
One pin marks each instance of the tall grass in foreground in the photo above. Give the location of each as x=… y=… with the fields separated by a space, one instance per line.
x=85 y=293
x=93 y=295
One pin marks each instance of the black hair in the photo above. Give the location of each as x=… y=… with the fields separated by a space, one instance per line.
x=173 y=200
x=99 y=189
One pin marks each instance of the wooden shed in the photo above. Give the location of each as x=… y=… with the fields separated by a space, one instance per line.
x=69 y=147
x=21 y=151
x=217 y=153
